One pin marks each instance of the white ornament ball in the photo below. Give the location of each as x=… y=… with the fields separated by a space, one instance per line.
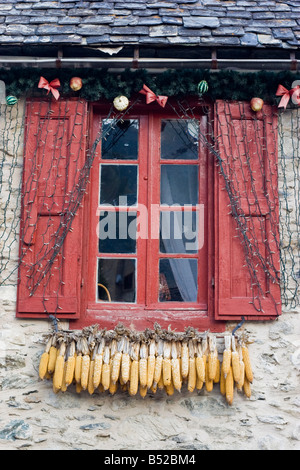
x=121 y=103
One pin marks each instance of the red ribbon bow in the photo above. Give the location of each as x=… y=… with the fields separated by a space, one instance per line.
x=287 y=94
x=43 y=83
x=150 y=96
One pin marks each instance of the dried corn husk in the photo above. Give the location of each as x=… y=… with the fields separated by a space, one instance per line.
x=154 y=360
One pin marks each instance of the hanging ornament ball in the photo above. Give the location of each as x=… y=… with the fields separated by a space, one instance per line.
x=121 y=103
x=11 y=100
x=202 y=87
x=76 y=83
x=256 y=104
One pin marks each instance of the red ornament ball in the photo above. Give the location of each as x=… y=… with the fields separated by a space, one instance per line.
x=256 y=104
x=76 y=83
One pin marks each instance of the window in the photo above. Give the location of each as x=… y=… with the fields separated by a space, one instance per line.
x=148 y=247
x=154 y=239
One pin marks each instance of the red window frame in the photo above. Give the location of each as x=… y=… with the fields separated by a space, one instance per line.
x=147 y=309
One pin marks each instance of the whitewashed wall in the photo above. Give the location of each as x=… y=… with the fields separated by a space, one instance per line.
x=33 y=417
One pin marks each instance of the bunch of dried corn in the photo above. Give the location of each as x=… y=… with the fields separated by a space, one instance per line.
x=103 y=360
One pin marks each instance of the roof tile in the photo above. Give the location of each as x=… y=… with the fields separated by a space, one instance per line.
x=208 y=22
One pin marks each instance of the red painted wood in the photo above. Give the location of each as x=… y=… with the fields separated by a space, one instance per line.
x=233 y=292
x=147 y=310
x=54 y=152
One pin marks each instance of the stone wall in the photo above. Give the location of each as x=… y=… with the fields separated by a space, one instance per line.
x=33 y=417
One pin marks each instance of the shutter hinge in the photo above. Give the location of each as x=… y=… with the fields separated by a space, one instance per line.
x=213 y=282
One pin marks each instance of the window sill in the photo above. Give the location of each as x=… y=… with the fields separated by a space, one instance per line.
x=140 y=318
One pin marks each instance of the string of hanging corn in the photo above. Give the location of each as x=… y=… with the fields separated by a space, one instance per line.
x=139 y=363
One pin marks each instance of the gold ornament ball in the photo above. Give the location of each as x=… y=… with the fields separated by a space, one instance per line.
x=121 y=103
x=76 y=83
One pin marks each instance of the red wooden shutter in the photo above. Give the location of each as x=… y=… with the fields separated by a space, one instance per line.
x=54 y=153
x=246 y=140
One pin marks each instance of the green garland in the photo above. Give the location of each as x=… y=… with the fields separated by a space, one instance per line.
x=101 y=84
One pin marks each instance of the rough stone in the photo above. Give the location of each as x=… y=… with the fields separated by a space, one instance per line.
x=201 y=22
x=16 y=429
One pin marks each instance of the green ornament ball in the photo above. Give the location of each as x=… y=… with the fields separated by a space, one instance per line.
x=11 y=100
x=202 y=87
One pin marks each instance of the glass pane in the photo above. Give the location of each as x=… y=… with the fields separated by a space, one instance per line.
x=117 y=232
x=118 y=185
x=179 y=139
x=179 y=184
x=178 y=232
x=117 y=280
x=120 y=139
x=178 y=280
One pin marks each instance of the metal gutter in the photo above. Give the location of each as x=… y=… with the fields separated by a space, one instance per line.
x=158 y=63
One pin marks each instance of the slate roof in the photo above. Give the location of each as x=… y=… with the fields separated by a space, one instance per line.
x=231 y=23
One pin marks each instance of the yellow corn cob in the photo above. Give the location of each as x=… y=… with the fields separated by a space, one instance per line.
x=48 y=376
x=158 y=363
x=53 y=352
x=116 y=366
x=247 y=362
x=151 y=363
x=98 y=361
x=235 y=361
x=70 y=369
x=78 y=387
x=153 y=388
x=134 y=369
x=77 y=372
x=43 y=367
x=222 y=382
x=212 y=358
x=106 y=368
x=247 y=387
x=175 y=366
x=59 y=368
x=78 y=361
x=125 y=363
x=166 y=367
x=209 y=383
x=169 y=388
x=160 y=384
x=143 y=390
x=184 y=360
x=200 y=366
x=134 y=378
x=44 y=360
x=240 y=382
x=227 y=355
x=113 y=387
x=117 y=360
x=90 y=386
x=199 y=383
x=64 y=385
x=192 y=375
x=229 y=387
x=143 y=374
x=85 y=367
x=218 y=372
